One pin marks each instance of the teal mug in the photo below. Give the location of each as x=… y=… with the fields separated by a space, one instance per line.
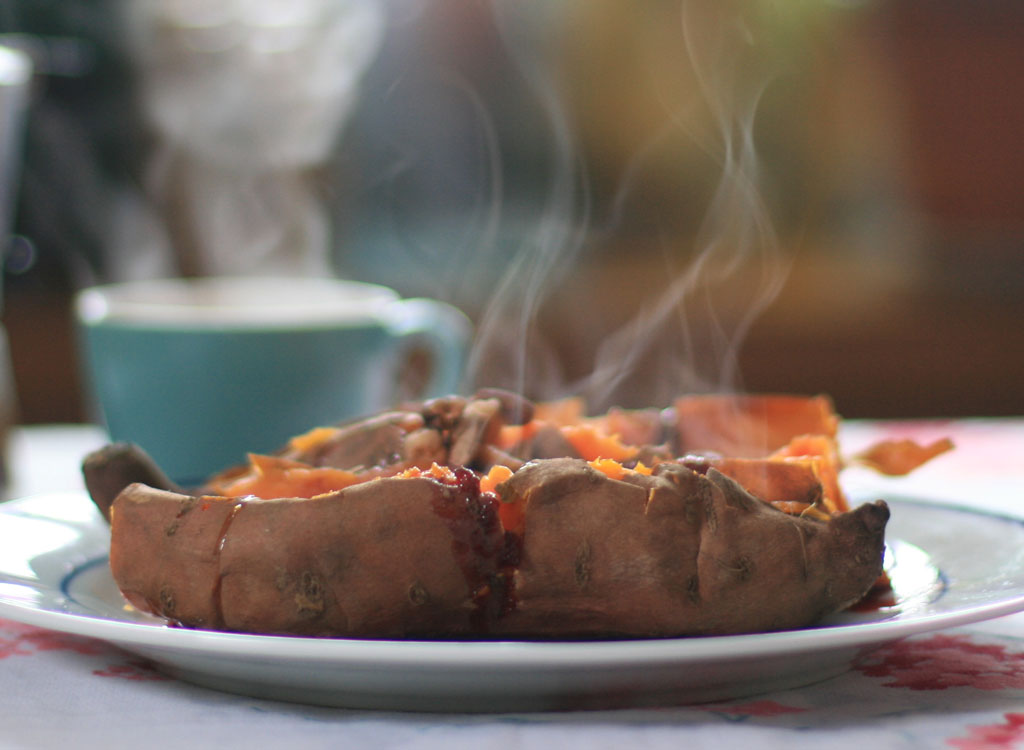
x=201 y=372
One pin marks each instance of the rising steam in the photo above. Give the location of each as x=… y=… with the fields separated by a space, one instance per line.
x=687 y=339
x=238 y=145
x=543 y=253
x=694 y=322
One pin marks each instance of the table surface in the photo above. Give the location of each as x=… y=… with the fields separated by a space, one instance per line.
x=961 y=688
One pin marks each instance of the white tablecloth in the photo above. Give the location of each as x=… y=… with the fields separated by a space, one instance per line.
x=961 y=688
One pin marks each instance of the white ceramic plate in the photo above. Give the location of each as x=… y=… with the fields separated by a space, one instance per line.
x=950 y=566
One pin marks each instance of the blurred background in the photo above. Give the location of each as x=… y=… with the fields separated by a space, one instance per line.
x=631 y=200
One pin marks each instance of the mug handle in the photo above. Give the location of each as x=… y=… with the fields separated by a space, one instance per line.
x=436 y=329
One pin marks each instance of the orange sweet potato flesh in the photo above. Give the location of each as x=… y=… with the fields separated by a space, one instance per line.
x=750 y=426
x=765 y=425
x=899 y=457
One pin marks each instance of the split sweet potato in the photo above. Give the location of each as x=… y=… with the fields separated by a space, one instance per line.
x=381 y=528
x=672 y=553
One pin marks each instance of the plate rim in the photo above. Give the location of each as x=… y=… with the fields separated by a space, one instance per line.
x=506 y=654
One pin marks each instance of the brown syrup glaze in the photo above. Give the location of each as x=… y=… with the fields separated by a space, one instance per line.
x=483 y=550
x=876 y=599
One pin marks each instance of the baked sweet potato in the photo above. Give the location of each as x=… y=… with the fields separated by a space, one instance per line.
x=380 y=529
x=672 y=553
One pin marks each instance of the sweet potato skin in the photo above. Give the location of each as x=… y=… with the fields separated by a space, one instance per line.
x=678 y=553
x=165 y=552
x=671 y=554
x=375 y=560
x=113 y=467
x=389 y=558
x=602 y=557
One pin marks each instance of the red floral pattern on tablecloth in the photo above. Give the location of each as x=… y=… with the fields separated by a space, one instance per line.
x=946 y=661
x=18 y=639
x=1005 y=736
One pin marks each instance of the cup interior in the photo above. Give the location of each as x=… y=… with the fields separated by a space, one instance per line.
x=258 y=302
